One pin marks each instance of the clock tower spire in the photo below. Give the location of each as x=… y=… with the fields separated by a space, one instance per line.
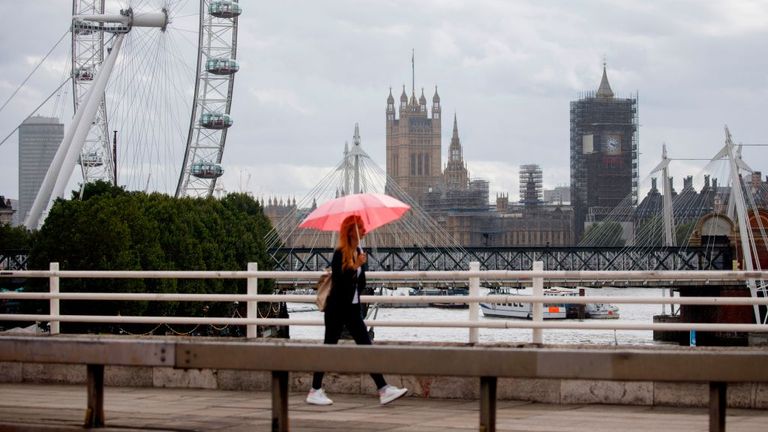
x=604 y=91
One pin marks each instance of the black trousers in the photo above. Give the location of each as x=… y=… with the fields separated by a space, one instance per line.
x=350 y=316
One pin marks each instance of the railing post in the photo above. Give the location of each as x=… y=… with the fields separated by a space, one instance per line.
x=718 y=401
x=538 y=308
x=280 y=401
x=252 y=310
x=488 y=404
x=94 y=414
x=55 y=325
x=474 y=308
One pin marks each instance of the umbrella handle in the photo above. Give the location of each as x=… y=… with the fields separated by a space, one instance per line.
x=359 y=242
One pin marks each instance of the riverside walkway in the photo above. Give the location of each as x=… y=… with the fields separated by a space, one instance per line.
x=43 y=407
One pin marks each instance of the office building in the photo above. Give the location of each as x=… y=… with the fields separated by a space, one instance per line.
x=39 y=138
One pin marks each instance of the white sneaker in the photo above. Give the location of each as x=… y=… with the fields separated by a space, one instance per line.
x=318 y=397
x=390 y=393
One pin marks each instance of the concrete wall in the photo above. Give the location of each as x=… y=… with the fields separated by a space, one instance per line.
x=740 y=395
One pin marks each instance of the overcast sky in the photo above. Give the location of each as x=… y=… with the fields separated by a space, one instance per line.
x=311 y=69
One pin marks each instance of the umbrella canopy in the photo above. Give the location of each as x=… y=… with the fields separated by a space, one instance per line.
x=375 y=209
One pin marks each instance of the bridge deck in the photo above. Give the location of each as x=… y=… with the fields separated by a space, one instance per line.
x=58 y=407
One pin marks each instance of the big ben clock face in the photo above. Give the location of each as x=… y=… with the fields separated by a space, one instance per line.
x=612 y=144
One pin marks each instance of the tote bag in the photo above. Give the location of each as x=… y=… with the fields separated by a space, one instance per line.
x=323 y=289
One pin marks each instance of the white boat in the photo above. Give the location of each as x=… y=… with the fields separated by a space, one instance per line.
x=602 y=311
x=551 y=311
x=520 y=309
x=399 y=292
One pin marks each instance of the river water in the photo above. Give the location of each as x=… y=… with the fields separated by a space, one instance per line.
x=628 y=313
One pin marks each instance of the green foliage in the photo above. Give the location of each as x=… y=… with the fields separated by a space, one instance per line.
x=683 y=233
x=111 y=229
x=15 y=238
x=650 y=233
x=98 y=187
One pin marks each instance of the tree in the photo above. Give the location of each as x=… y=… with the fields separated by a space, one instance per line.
x=15 y=238
x=111 y=229
x=683 y=233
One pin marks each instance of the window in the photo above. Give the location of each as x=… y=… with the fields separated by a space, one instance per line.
x=420 y=158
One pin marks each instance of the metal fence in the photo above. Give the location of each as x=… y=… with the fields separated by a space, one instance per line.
x=536 y=277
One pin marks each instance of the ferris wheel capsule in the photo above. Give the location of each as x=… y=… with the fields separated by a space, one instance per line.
x=84 y=74
x=216 y=121
x=222 y=66
x=206 y=170
x=224 y=9
x=91 y=159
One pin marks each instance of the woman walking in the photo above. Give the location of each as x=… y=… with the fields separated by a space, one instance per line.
x=343 y=306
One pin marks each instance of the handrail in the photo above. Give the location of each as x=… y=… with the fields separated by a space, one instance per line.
x=386 y=299
x=455 y=275
x=473 y=275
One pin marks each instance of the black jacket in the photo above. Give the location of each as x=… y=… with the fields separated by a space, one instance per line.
x=343 y=284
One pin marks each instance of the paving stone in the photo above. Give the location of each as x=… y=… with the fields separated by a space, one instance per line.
x=49 y=407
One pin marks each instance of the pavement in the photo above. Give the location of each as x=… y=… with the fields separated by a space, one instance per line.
x=36 y=407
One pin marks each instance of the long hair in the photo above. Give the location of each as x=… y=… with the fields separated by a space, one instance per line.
x=348 y=240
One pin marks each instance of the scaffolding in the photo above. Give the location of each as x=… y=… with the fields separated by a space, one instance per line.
x=604 y=153
x=530 y=184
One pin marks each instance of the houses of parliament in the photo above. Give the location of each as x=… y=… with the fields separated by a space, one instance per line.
x=603 y=152
x=459 y=203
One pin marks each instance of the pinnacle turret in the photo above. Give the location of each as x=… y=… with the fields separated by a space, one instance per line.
x=454 y=150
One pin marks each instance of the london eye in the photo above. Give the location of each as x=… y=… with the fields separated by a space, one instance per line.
x=152 y=87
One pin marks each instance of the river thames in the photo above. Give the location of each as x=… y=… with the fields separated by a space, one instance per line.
x=641 y=313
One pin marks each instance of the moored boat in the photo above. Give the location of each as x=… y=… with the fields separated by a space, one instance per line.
x=447 y=292
x=521 y=309
x=602 y=311
x=560 y=310
x=400 y=292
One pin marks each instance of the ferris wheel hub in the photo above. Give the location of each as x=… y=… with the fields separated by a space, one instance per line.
x=122 y=22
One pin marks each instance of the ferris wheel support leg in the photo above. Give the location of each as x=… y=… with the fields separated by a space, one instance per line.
x=63 y=163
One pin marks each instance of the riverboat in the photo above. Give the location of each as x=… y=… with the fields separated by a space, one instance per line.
x=561 y=310
x=446 y=292
x=522 y=310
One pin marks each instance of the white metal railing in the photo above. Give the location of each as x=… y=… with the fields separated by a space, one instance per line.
x=537 y=277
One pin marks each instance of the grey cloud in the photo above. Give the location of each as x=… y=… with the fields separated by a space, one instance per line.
x=311 y=69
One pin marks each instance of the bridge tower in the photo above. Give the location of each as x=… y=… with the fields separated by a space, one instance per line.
x=666 y=190
x=737 y=165
x=352 y=164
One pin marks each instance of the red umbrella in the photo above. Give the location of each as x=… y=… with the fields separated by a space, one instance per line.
x=375 y=209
